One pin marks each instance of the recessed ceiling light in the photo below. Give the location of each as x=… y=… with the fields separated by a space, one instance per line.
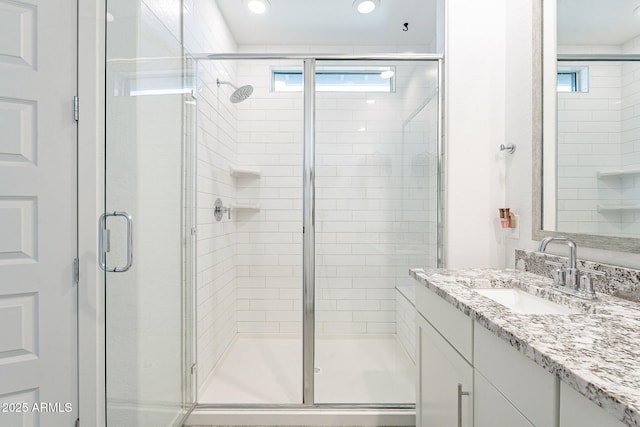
x=362 y=129
x=370 y=101
x=387 y=74
x=258 y=6
x=365 y=6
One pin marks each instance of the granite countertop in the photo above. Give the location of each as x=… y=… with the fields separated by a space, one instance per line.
x=596 y=352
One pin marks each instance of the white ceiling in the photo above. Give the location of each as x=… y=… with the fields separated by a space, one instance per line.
x=332 y=22
x=597 y=22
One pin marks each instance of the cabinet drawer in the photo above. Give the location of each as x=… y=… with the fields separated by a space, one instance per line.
x=578 y=411
x=452 y=324
x=528 y=386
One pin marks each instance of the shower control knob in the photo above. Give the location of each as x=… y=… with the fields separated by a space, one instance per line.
x=219 y=210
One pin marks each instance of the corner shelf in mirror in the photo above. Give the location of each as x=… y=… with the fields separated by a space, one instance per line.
x=609 y=208
x=618 y=173
x=244 y=172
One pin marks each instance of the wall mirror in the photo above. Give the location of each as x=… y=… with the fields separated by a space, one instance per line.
x=587 y=146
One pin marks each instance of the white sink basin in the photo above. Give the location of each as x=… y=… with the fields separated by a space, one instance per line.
x=523 y=302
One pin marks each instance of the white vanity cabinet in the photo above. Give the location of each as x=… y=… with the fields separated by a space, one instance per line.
x=444 y=395
x=504 y=387
x=578 y=411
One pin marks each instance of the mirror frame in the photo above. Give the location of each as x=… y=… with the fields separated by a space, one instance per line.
x=614 y=243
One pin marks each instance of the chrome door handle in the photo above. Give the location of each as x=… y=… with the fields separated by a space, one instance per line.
x=460 y=394
x=103 y=241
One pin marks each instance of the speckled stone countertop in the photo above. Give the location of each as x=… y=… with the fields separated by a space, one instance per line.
x=597 y=352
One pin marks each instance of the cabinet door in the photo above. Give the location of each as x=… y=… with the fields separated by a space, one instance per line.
x=441 y=370
x=578 y=411
x=529 y=387
x=492 y=409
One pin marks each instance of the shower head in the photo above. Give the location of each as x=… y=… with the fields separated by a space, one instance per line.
x=240 y=93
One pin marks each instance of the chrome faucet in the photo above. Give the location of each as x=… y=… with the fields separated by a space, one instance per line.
x=572 y=270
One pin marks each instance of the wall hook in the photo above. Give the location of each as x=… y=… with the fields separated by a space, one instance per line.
x=406 y=26
x=509 y=148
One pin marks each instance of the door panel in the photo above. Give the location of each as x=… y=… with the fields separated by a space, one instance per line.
x=375 y=199
x=148 y=307
x=38 y=221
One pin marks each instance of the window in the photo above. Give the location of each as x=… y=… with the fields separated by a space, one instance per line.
x=336 y=79
x=567 y=82
x=573 y=79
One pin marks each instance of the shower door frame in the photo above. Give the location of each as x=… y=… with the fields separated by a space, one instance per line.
x=308 y=208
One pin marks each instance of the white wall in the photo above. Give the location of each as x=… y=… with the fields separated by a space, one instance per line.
x=519 y=125
x=475 y=114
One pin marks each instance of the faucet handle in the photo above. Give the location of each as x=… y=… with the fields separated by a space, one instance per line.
x=586 y=283
x=596 y=272
x=559 y=274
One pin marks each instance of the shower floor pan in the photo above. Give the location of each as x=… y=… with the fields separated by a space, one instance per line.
x=350 y=369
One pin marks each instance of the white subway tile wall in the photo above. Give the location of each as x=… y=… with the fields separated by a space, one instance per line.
x=598 y=131
x=375 y=195
x=589 y=136
x=630 y=185
x=375 y=199
x=269 y=257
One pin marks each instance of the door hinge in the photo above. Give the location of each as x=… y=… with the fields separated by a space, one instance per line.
x=76 y=108
x=76 y=271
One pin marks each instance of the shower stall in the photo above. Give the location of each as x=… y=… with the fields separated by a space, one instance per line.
x=261 y=214
x=325 y=173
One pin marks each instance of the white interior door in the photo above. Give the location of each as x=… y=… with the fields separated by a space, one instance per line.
x=38 y=221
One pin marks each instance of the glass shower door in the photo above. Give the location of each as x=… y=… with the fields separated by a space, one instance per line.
x=376 y=211
x=146 y=229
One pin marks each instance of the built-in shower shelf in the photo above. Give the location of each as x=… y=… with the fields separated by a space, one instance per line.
x=245 y=206
x=244 y=172
x=618 y=173
x=619 y=208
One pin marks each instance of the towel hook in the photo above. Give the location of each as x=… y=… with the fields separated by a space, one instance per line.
x=509 y=148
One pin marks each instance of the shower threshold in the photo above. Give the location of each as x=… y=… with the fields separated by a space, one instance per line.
x=308 y=416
